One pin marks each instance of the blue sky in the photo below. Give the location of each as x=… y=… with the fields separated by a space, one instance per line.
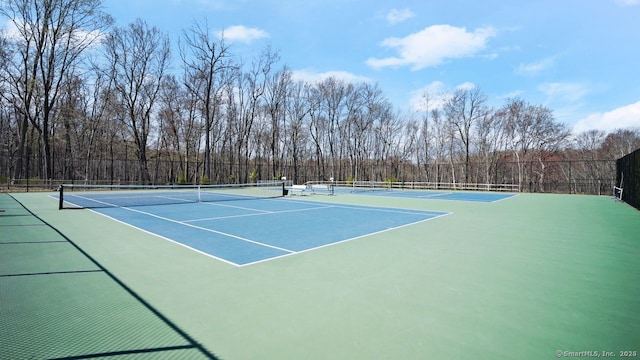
x=580 y=58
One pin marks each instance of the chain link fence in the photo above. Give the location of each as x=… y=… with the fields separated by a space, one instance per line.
x=553 y=176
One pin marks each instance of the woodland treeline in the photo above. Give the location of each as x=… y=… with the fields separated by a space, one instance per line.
x=85 y=101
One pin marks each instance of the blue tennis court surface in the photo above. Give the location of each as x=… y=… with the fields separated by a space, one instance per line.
x=488 y=197
x=245 y=232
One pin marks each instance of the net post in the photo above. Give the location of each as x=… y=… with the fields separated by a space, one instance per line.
x=284 y=191
x=60 y=197
x=199 y=196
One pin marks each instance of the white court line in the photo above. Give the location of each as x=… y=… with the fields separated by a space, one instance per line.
x=379 y=208
x=345 y=240
x=90 y=199
x=390 y=194
x=480 y=200
x=181 y=201
x=288 y=252
x=208 y=230
x=259 y=214
x=504 y=198
x=417 y=196
x=166 y=238
x=392 y=210
x=410 y=195
x=214 y=203
x=435 y=195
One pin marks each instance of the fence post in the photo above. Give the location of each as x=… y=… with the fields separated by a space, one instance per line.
x=60 y=195
x=570 y=179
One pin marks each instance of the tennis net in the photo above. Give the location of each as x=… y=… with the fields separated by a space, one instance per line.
x=76 y=196
x=364 y=186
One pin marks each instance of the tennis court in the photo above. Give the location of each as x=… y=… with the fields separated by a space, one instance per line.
x=526 y=277
x=245 y=232
x=241 y=225
x=473 y=196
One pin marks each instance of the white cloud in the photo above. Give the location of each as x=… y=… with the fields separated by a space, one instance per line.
x=10 y=31
x=627 y=2
x=564 y=92
x=433 y=45
x=623 y=117
x=314 y=76
x=241 y=33
x=437 y=93
x=212 y=4
x=397 y=16
x=466 y=86
x=511 y=95
x=491 y=56
x=536 y=67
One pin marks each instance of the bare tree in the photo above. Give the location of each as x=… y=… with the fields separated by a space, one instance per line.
x=534 y=135
x=70 y=113
x=621 y=142
x=173 y=122
x=386 y=129
x=138 y=59
x=8 y=128
x=251 y=90
x=491 y=144
x=333 y=94
x=205 y=62
x=587 y=146
x=430 y=142
x=463 y=110
x=298 y=108
x=52 y=36
x=550 y=138
x=318 y=129
x=19 y=79
x=378 y=127
x=355 y=130
x=254 y=117
x=409 y=146
x=423 y=145
x=518 y=124
x=589 y=143
x=96 y=110
x=277 y=91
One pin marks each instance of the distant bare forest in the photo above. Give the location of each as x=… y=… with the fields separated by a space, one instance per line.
x=84 y=101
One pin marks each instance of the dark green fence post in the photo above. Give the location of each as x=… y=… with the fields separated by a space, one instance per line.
x=60 y=199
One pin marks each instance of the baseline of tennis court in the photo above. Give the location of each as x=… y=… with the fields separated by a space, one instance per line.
x=488 y=197
x=245 y=232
